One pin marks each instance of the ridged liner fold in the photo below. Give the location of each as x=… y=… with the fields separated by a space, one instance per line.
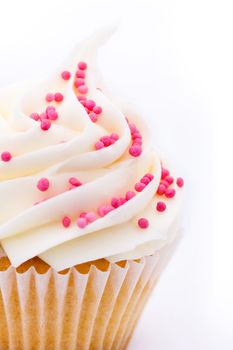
x=97 y=310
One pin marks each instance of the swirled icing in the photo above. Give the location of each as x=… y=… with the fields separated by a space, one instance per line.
x=67 y=150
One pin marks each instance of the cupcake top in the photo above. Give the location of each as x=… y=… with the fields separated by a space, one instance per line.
x=79 y=179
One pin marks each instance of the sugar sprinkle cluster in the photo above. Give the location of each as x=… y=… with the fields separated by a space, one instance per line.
x=86 y=218
x=46 y=117
x=135 y=149
x=81 y=87
x=144 y=181
x=106 y=141
x=50 y=115
x=165 y=188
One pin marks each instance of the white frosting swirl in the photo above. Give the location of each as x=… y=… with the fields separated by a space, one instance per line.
x=66 y=150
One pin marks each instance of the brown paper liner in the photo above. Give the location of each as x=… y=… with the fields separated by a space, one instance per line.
x=95 y=308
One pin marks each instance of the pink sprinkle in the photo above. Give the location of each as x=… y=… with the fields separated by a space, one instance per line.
x=45 y=124
x=75 y=182
x=97 y=109
x=35 y=116
x=52 y=114
x=136 y=135
x=161 y=189
x=169 y=179
x=49 y=97
x=65 y=75
x=139 y=187
x=43 y=184
x=79 y=82
x=58 y=97
x=66 y=221
x=91 y=216
x=170 y=192
x=49 y=108
x=93 y=117
x=133 y=128
x=143 y=223
x=83 y=102
x=6 y=156
x=108 y=208
x=114 y=136
x=165 y=183
x=104 y=210
x=106 y=140
x=115 y=202
x=180 y=182
x=145 y=180
x=43 y=116
x=122 y=201
x=135 y=150
x=83 y=214
x=161 y=206
x=129 y=195
x=165 y=173
x=137 y=141
x=82 y=222
x=80 y=74
x=83 y=89
x=82 y=65
x=81 y=98
x=101 y=211
x=99 y=145
x=90 y=104
x=150 y=176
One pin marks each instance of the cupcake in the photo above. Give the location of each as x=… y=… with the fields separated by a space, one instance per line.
x=90 y=213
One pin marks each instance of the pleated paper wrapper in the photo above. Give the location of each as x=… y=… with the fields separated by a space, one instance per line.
x=93 y=310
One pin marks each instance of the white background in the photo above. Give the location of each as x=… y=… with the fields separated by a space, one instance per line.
x=175 y=59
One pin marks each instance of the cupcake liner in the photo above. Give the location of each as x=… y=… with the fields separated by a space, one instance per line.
x=93 y=310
